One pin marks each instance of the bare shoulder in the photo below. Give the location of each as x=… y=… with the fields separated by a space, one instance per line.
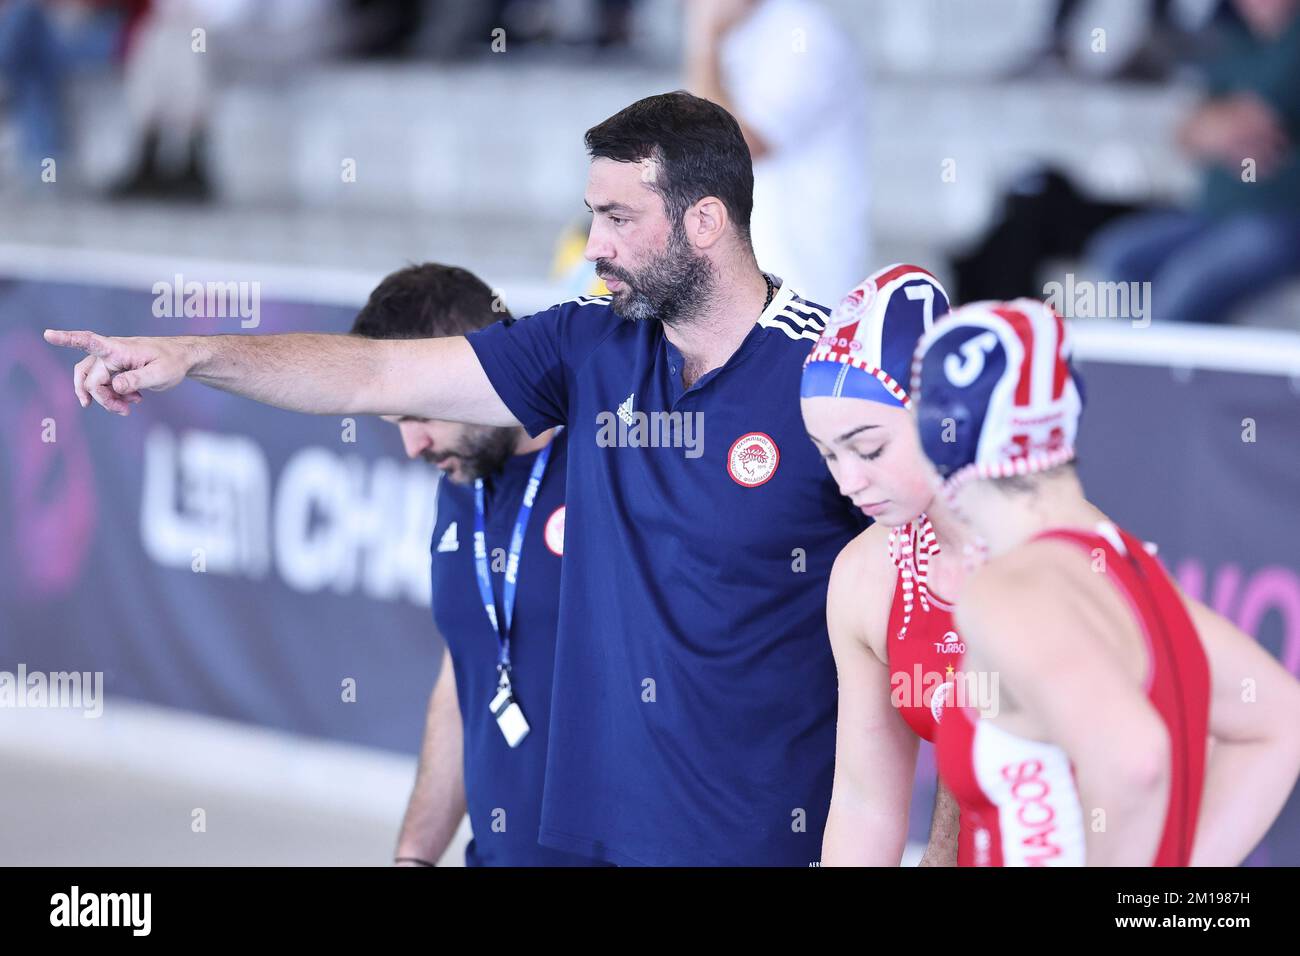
x=1044 y=585
x=864 y=551
x=861 y=588
x=1028 y=567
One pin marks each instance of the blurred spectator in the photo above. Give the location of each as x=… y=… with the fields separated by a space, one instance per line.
x=460 y=29
x=794 y=82
x=41 y=44
x=1242 y=236
x=167 y=87
x=1043 y=218
x=385 y=27
x=1150 y=61
x=172 y=66
x=614 y=19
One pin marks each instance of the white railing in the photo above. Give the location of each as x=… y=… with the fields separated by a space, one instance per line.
x=1232 y=349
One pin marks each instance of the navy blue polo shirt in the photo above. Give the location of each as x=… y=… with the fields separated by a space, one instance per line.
x=503 y=787
x=693 y=717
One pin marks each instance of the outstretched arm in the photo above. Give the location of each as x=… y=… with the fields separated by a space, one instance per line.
x=303 y=372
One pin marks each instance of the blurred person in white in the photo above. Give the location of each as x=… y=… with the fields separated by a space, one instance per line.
x=181 y=46
x=794 y=81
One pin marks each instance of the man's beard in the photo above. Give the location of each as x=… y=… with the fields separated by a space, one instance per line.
x=670 y=288
x=483 y=451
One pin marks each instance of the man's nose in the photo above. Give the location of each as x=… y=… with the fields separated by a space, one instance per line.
x=597 y=246
x=414 y=441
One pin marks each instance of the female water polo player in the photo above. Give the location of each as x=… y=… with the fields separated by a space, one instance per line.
x=888 y=604
x=1133 y=726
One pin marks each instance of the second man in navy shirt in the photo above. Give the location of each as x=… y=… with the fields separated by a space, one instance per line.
x=467 y=762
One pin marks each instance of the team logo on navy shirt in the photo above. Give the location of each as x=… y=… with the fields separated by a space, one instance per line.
x=752 y=459
x=553 y=533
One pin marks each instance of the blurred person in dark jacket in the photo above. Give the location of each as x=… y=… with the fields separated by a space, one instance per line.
x=1241 y=237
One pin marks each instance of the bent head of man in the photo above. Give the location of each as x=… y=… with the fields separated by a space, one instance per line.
x=670 y=189
x=433 y=301
x=853 y=398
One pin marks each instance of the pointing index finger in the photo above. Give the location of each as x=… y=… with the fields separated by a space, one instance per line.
x=88 y=342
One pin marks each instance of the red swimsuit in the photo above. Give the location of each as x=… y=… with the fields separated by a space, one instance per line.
x=923 y=648
x=1020 y=795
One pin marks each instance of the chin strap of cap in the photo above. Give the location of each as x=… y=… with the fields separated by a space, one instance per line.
x=910 y=548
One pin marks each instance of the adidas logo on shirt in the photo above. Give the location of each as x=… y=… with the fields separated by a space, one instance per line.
x=449 y=541
x=625 y=410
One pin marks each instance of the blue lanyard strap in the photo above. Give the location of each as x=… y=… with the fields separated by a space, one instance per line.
x=511 y=583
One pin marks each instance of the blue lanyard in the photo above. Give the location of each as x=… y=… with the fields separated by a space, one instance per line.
x=512 y=560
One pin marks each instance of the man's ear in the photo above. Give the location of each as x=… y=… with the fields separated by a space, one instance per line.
x=706 y=222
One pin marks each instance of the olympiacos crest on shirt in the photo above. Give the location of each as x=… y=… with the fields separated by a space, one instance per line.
x=553 y=533
x=752 y=459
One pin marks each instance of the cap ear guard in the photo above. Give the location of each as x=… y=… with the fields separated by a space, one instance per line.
x=996 y=394
x=957 y=372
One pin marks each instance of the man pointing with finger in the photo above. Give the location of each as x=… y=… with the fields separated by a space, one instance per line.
x=694 y=694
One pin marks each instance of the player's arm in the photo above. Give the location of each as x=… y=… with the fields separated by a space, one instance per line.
x=1255 y=730
x=945 y=824
x=304 y=372
x=875 y=751
x=437 y=802
x=1038 y=629
x=707 y=23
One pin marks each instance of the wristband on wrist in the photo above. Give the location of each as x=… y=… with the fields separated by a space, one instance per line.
x=413 y=859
